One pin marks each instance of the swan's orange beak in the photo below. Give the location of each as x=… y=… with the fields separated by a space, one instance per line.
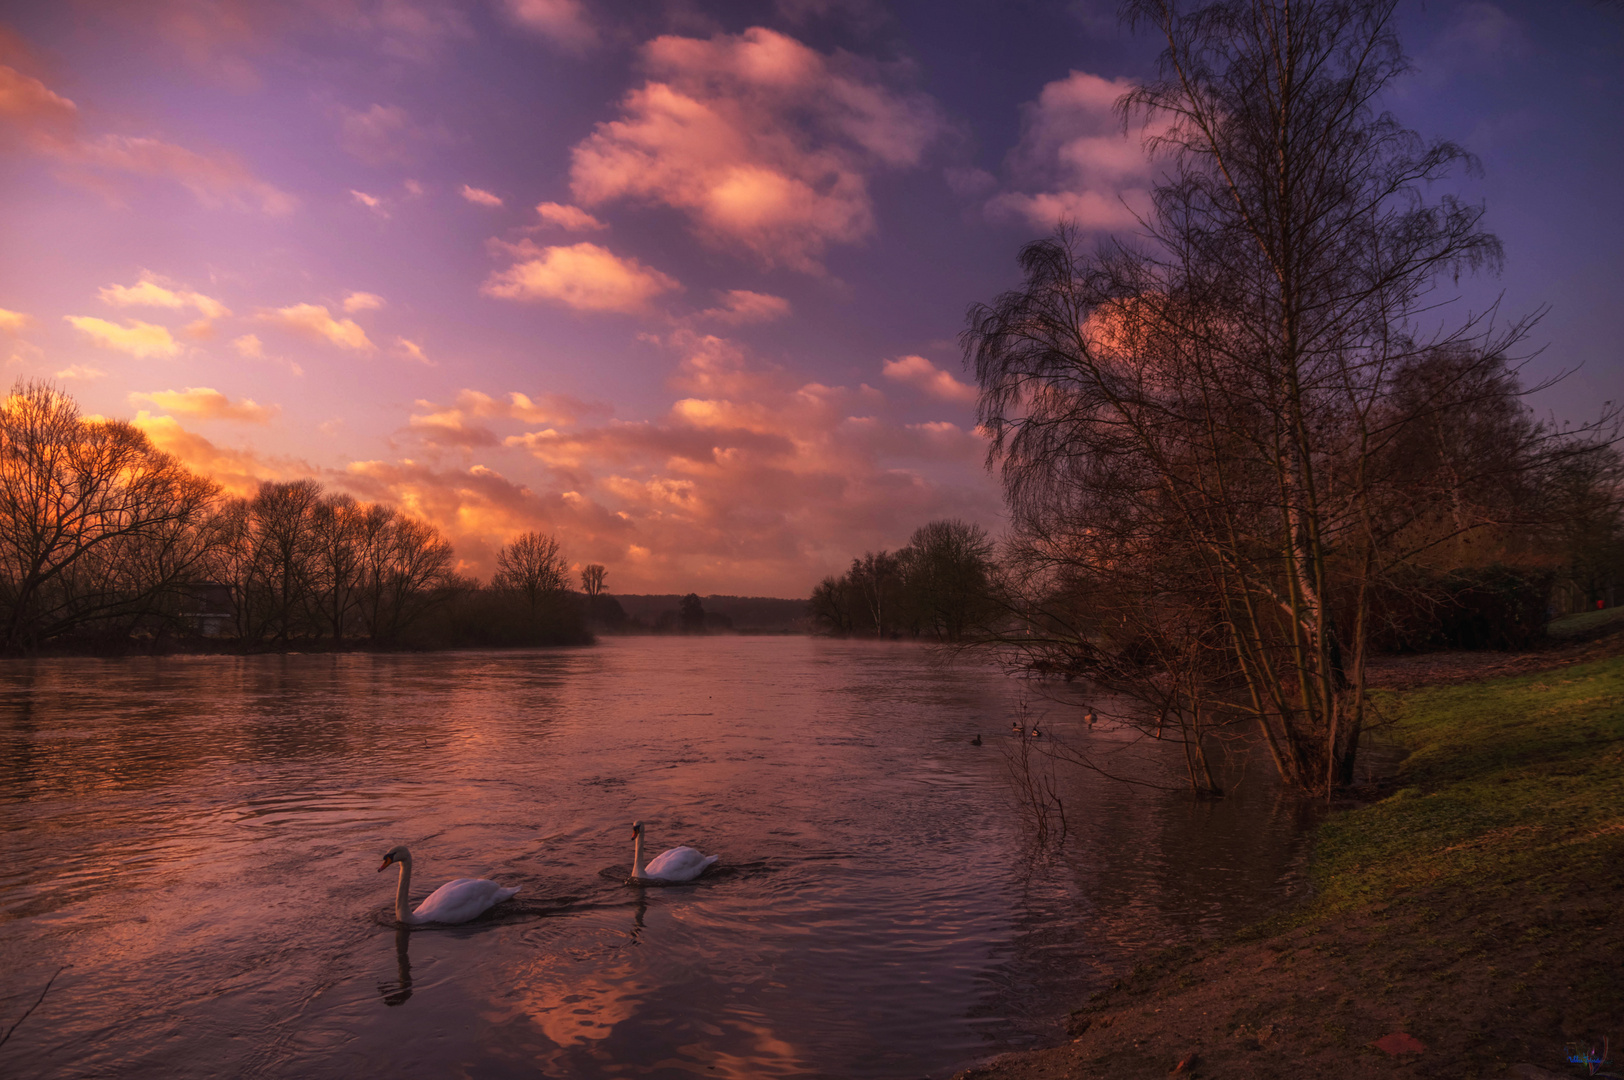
x=386 y=861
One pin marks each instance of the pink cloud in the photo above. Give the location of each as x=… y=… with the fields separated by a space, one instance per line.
x=44 y=123
x=1074 y=161
x=584 y=276
x=314 y=321
x=569 y=218
x=741 y=306
x=479 y=196
x=382 y=134
x=563 y=22
x=920 y=373
x=764 y=143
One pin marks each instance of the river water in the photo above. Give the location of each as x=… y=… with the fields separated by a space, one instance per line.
x=191 y=845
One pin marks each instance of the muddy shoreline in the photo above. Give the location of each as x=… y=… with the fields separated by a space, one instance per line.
x=1505 y=965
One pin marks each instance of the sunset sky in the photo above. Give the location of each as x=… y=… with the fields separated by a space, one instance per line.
x=680 y=282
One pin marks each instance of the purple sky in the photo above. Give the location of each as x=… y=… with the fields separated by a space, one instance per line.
x=679 y=282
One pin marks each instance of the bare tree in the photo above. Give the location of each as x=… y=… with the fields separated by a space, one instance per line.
x=593 y=576
x=1206 y=423
x=95 y=524
x=533 y=567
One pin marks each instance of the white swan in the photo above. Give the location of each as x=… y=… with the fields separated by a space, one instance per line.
x=675 y=864
x=454 y=902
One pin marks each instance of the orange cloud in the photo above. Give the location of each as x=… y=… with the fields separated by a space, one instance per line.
x=480 y=196
x=250 y=346
x=457 y=425
x=205 y=403
x=1073 y=148
x=585 y=277
x=920 y=373
x=155 y=291
x=362 y=301
x=764 y=143
x=316 y=322
x=139 y=339
x=239 y=472
x=13 y=322
x=569 y=218
x=752 y=481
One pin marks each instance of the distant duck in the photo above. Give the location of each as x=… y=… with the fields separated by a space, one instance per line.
x=1036 y=734
x=977 y=740
x=1015 y=728
x=454 y=902
x=673 y=864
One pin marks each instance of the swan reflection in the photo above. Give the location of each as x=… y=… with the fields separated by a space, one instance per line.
x=399 y=991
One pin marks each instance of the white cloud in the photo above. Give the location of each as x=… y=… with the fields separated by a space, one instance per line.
x=371 y=202
x=137 y=338
x=765 y=144
x=480 y=196
x=569 y=218
x=584 y=276
x=81 y=372
x=315 y=321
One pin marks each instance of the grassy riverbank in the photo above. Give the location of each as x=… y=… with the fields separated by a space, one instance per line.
x=1476 y=909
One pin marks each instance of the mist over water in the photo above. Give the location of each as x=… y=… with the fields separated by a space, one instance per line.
x=197 y=840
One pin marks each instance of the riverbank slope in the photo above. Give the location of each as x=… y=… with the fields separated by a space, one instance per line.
x=1476 y=910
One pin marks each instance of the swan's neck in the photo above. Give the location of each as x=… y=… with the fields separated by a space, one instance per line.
x=403 y=890
x=637 y=856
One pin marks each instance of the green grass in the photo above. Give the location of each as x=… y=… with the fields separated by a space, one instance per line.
x=1517 y=779
x=1585 y=622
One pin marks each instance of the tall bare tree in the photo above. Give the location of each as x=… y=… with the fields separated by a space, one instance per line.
x=593 y=576
x=1205 y=421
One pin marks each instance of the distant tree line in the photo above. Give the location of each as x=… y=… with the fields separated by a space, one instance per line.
x=939 y=586
x=105 y=540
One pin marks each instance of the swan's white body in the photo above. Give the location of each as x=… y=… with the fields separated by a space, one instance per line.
x=674 y=864
x=454 y=902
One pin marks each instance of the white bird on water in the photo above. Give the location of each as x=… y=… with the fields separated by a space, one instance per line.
x=673 y=864
x=454 y=902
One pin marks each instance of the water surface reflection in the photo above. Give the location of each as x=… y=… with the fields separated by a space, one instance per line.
x=197 y=838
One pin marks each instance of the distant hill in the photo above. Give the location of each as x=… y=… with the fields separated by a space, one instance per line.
x=746 y=613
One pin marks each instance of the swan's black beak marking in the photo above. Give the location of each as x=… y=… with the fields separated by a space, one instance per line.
x=385 y=865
